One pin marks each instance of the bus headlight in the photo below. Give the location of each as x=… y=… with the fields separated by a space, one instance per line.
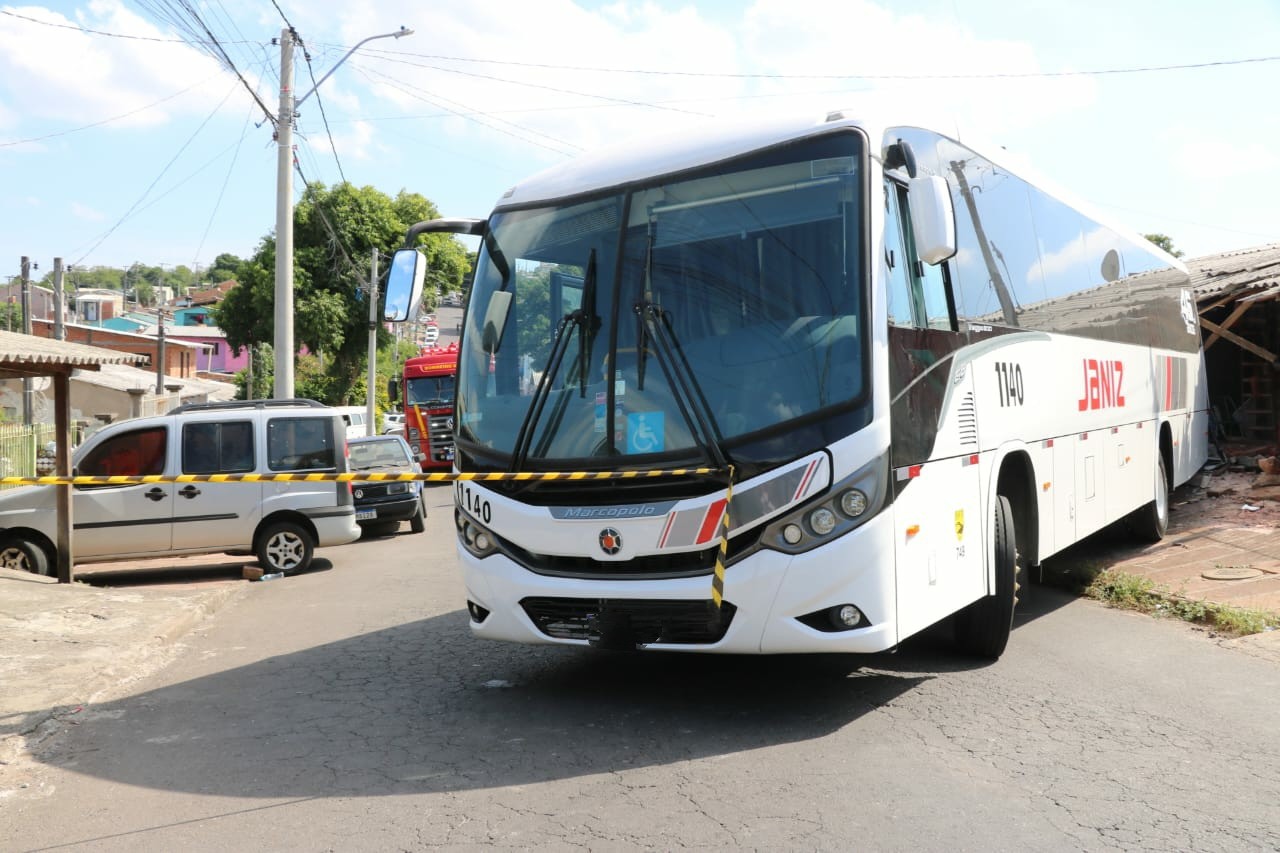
x=822 y=521
x=478 y=541
x=853 y=503
x=847 y=504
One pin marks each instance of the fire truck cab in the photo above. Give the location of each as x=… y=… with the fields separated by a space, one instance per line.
x=427 y=387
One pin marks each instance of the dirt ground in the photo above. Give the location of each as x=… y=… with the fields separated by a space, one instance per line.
x=1237 y=493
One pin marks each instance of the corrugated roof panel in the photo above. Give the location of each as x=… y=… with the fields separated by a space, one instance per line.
x=19 y=349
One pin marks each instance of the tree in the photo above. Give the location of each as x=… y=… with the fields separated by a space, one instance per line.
x=1164 y=242
x=335 y=231
x=224 y=268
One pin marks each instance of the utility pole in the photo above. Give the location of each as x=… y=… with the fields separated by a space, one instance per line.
x=160 y=351
x=283 y=341
x=27 y=413
x=284 y=223
x=59 y=330
x=373 y=346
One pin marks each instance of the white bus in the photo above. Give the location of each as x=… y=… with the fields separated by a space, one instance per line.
x=926 y=373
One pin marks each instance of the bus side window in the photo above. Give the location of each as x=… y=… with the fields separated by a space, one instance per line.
x=898 y=282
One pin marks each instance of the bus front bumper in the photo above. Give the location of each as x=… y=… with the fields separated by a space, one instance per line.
x=769 y=592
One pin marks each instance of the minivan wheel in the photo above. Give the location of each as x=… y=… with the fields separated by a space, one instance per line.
x=285 y=547
x=23 y=555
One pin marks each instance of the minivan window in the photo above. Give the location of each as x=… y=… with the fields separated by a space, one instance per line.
x=217 y=448
x=300 y=444
x=136 y=453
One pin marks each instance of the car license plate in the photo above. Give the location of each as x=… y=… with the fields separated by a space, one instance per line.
x=366 y=514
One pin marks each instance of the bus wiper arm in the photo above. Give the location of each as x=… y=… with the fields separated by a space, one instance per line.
x=671 y=359
x=540 y=394
x=587 y=323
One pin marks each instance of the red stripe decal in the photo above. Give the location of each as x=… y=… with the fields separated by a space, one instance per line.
x=710 y=522
x=662 y=541
x=804 y=481
x=1048 y=442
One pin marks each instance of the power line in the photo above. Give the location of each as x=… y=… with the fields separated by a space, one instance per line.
x=225 y=181
x=315 y=87
x=151 y=186
x=89 y=31
x=436 y=101
x=106 y=120
x=761 y=76
x=526 y=83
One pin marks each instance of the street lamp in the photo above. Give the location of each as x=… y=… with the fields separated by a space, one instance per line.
x=284 y=348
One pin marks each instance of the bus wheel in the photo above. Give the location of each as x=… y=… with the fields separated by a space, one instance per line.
x=1150 y=522
x=982 y=628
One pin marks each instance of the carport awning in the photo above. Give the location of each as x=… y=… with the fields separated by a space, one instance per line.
x=29 y=355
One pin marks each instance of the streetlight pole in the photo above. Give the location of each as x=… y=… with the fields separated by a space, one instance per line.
x=284 y=346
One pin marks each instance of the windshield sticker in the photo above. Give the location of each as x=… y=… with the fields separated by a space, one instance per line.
x=620 y=388
x=646 y=432
x=601 y=408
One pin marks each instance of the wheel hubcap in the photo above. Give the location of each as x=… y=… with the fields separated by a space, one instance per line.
x=12 y=558
x=285 y=551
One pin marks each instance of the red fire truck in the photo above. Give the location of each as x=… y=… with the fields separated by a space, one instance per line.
x=427 y=391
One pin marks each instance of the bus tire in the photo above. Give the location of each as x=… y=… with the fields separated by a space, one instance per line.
x=982 y=628
x=1149 y=523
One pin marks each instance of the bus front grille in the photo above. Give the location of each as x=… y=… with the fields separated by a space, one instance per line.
x=629 y=623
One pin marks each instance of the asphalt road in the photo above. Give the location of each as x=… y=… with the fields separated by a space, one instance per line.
x=350 y=709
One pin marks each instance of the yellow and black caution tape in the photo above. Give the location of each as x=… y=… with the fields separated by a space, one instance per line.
x=717 y=581
x=361 y=476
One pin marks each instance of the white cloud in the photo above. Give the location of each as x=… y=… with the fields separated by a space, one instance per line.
x=83 y=211
x=55 y=73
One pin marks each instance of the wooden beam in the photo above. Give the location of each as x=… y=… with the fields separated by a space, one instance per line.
x=1240 y=342
x=62 y=464
x=1229 y=322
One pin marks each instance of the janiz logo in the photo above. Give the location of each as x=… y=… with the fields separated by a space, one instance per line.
x=1103 y=385
x=610 y=541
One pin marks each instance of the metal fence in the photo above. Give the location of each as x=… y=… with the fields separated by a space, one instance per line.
x=27 y=451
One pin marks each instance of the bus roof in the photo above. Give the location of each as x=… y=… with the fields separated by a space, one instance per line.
x=652 y=156
x=644 y=159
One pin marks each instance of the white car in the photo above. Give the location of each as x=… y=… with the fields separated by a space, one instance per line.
x=281 y=522
x=392 y=422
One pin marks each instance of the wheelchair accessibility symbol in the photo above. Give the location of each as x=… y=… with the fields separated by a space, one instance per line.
x=646 y=432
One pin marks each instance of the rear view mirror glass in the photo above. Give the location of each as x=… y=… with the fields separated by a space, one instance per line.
x=404 y=285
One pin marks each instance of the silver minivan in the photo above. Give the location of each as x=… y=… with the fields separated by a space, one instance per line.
x=281 y=522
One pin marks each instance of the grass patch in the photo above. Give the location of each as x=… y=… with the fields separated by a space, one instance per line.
x=1132 y=592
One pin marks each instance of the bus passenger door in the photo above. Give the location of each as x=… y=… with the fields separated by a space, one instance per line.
x=939 y=521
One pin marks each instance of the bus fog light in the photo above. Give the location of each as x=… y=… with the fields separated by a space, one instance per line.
x=483 y=543
x=853 y=503
x=792 y=534
x=822 y=521
x=846 y=616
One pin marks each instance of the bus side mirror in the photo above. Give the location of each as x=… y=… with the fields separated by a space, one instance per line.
x=404 y=285
x=933 y=219
x=393 y=389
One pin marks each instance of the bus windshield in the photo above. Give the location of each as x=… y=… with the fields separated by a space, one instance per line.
x=754 y=271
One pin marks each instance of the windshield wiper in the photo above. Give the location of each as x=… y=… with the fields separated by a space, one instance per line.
x=697 y=415
x=587 y=325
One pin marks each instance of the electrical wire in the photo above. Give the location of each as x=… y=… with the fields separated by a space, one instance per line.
x=759 y=76
x=195 y=260
x=106 y=120
x=441 y=103
x=134 y=207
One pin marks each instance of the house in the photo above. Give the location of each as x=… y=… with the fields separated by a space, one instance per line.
x=1238 y=300
x=180 y=357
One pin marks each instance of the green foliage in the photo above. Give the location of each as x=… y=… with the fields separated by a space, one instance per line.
x=263 y=357
x=1164 y=242
x=1132 y=592
x=225 y=267
x=335 y=232
x=11 y=316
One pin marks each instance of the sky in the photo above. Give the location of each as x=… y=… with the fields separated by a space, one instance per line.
x=121 y=141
